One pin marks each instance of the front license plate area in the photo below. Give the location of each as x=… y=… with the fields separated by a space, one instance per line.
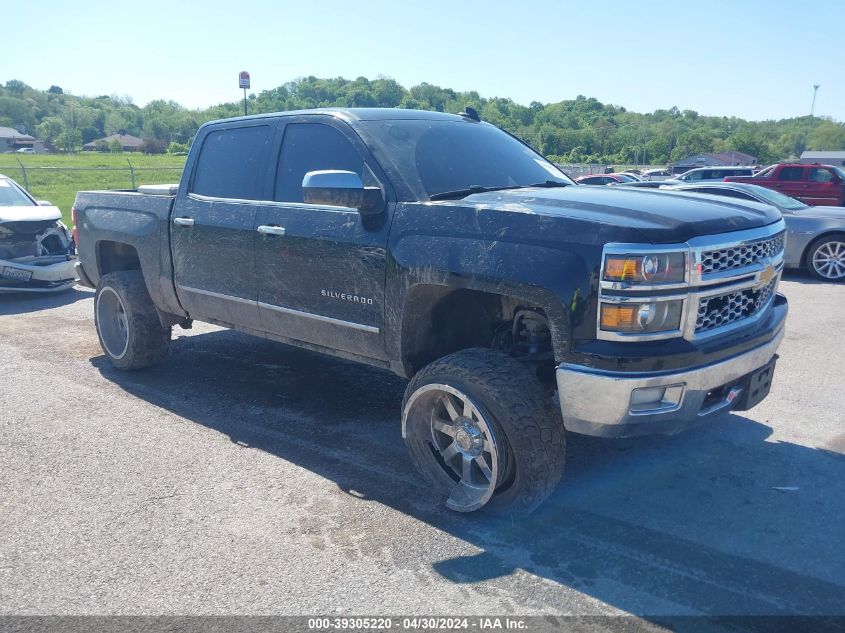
x=16 y=274
x=757 y=386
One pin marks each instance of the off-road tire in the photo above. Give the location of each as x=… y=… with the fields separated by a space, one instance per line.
x=521 y=414
x=147 y=340
x=814 y=247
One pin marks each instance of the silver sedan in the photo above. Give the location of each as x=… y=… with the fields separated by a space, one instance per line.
x=815 y=236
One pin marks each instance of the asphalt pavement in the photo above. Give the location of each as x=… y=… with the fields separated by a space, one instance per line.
x=246 y=477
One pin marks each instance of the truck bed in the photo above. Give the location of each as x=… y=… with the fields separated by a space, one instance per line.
x=119 y=225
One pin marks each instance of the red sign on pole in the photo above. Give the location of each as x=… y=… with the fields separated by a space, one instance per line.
x=243 y=80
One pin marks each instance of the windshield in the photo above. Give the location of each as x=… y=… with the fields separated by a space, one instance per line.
x=430 y=157
x=839 y=172
x=12 y=196
x=778 y=199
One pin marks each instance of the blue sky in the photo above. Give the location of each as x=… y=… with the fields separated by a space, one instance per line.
x=756 y=60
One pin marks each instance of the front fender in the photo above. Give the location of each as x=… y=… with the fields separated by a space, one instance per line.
x=553 y=278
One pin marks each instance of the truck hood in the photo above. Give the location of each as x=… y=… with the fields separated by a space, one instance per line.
x=29 y=214
x=662 y=217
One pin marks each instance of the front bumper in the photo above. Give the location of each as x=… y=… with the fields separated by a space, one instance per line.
x=45 y=274
x=600 y=403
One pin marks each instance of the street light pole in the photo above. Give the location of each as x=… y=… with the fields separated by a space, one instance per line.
x=815 y=90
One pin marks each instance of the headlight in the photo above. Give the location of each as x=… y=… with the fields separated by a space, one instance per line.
x=654 y=268
x=642 y=318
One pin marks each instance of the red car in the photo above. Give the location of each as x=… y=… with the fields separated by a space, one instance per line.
x=604 y=179
x=812 y=184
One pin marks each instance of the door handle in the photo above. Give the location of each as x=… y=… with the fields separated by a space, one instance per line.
x=264 y=229
x=183 y=221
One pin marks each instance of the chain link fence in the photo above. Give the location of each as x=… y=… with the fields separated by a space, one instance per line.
x=60 y=184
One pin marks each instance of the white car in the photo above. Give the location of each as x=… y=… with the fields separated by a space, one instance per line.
x=36 y=249
x=657 y=174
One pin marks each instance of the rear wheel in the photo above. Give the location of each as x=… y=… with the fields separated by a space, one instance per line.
x=826 y=258
x=128 y=326
x=482 y=430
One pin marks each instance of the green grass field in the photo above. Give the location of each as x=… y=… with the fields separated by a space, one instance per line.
x=57 y=178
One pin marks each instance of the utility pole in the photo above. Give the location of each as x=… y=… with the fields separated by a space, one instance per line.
x=815 y=90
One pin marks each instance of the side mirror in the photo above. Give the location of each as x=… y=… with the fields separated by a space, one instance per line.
x=44 y=203
x=340 y=188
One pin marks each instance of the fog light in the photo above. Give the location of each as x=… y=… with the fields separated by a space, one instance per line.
x=647 y=396
x=649 y=400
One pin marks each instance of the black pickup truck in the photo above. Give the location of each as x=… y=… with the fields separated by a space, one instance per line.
x=519 y=304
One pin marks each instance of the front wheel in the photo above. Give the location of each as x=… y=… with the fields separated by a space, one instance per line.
x=128 y=326
x=482 y=430
x=826 y=258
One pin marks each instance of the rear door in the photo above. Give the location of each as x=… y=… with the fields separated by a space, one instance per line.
x=212 y=224
x=321 y=268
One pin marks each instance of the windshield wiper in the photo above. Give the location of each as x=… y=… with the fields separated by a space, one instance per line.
x=463 y=193
x=549 y=183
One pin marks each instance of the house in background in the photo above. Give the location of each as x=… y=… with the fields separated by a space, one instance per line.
x=11 y=141
x=731 y=158
x=128 y=142
x=837 y=159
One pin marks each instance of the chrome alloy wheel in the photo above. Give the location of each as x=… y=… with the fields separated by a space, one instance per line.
x=829 y=260
x=462 y=443
x=112 y=322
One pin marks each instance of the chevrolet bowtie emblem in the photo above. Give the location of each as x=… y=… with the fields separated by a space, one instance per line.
x=766 y=275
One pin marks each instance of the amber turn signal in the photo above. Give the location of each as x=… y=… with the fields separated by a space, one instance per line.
x=623 y=268
x=616 y=317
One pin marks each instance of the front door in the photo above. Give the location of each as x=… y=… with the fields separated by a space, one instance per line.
x=212 y=225
x=321 y=269
x=822 y=187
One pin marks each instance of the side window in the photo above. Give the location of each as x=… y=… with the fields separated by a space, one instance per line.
x=730 y=193
x=696 y=175
x=229 y=161
x=791 y=173
x=820 y=175
x=309 y=147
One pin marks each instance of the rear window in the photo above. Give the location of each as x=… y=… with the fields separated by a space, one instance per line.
x=791 y=173
x=229 y=161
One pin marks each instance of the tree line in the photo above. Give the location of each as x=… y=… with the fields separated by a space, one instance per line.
x=580 y=130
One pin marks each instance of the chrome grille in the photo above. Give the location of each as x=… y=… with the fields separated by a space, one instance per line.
x=741 y=255
x=714 y=312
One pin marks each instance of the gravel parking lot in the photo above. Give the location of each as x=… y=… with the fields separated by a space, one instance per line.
x=243 y=476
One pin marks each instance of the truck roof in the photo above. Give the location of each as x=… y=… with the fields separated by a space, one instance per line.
x=358 y=114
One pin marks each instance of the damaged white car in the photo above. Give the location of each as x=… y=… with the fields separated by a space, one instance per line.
x=36 y=249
